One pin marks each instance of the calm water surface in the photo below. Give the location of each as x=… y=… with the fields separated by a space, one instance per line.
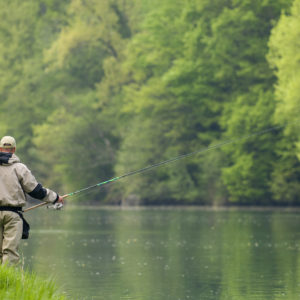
x=161 y=254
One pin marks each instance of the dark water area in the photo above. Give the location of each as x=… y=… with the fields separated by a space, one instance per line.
x=167 y=253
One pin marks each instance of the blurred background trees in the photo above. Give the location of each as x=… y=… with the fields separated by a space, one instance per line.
x=93 y=90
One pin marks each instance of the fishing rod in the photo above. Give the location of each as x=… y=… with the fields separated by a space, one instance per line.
x=147 y=168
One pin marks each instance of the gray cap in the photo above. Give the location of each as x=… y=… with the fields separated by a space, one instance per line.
x=8 y=142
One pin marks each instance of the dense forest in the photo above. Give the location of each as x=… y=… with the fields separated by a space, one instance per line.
x=95 y=89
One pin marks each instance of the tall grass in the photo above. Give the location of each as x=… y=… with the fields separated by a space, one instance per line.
x=17 y=284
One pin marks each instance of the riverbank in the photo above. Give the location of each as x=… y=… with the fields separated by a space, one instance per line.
x=17 y=284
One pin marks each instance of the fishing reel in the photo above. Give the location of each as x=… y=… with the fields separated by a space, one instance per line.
x=56 y=206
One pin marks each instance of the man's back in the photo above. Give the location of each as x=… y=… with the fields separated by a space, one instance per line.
x=11 y=190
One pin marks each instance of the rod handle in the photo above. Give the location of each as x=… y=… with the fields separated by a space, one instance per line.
x=35 y=206
x=41 y=204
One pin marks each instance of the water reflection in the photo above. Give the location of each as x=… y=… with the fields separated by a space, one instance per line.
x=167 y=253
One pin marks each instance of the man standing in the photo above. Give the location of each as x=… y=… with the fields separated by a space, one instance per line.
x=16 y=180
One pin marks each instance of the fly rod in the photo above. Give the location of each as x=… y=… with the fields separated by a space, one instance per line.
x=145 y=169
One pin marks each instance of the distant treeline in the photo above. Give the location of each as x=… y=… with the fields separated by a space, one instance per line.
x=94 y=89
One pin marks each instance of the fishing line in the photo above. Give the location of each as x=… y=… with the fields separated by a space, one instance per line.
x=145 y=169
x=182 y=156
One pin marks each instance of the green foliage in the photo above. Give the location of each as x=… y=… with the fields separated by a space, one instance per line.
x=171 y=113
x=27 y=91
x=195 y=70
x=82 y=130
x=18 y=284
x=285 y=58
x=250 y=109
x=79 y=153
x=95 y=89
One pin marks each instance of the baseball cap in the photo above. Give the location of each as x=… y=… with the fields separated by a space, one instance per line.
x=8 y=142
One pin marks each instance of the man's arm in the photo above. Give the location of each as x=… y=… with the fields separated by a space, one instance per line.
x=33 y=188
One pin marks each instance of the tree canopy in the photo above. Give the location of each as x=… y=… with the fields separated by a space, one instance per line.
x=93 y=90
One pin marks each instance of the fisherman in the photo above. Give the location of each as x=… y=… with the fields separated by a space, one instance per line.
x=16 y=180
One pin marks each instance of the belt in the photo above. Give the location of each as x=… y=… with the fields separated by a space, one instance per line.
x=11 y=208
x=18 y=210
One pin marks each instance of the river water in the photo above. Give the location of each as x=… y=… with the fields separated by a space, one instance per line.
x=166 y=253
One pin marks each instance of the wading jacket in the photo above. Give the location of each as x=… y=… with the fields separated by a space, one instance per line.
x=16 y=180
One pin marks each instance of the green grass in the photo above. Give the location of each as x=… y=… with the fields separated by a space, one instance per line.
x=17 y=284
